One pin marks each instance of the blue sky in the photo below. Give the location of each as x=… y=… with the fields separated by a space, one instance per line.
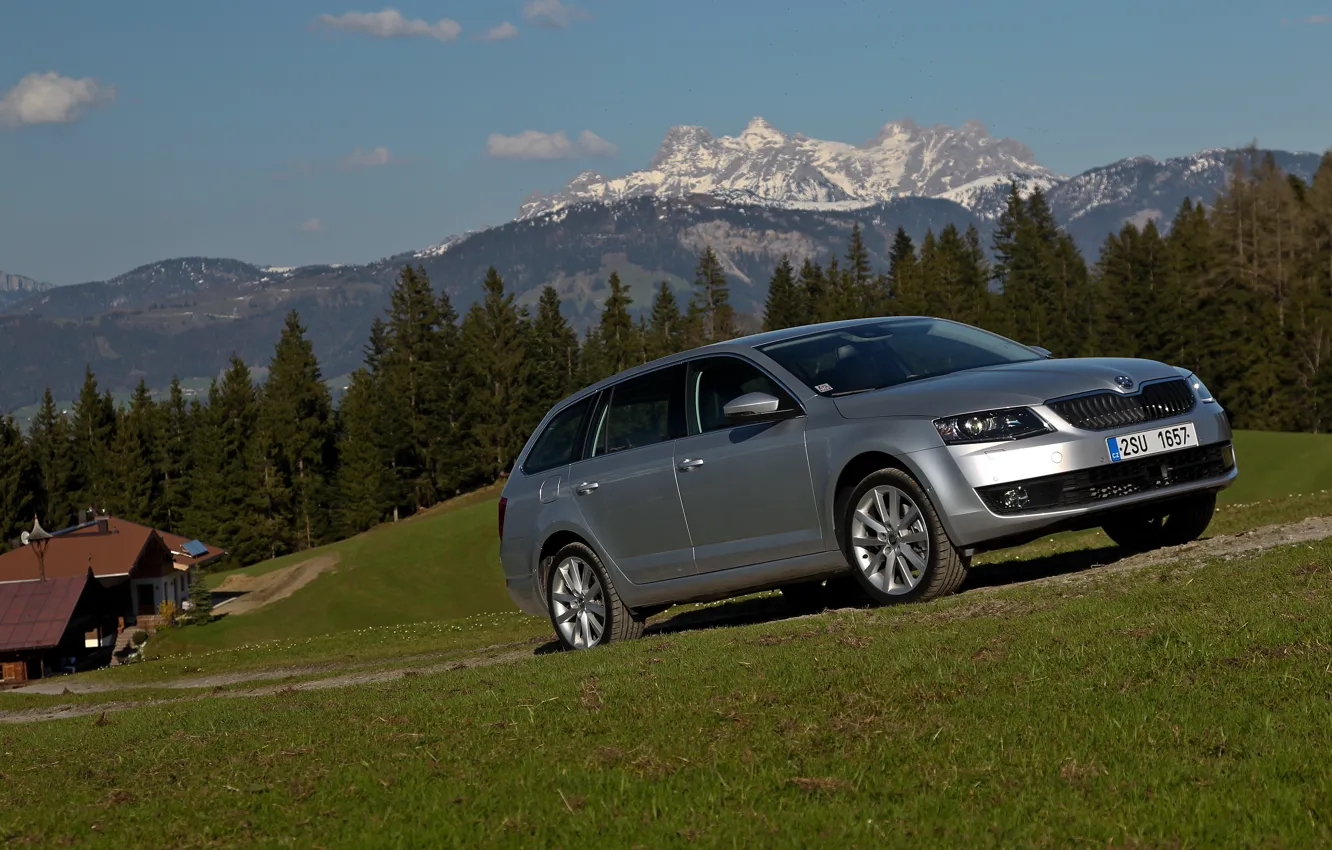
x=140 y=130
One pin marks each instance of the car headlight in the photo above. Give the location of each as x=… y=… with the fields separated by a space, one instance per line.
x=1011 y=423
x=1199 y=388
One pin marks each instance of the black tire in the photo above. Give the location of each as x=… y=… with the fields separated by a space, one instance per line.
x=944 y=566
x=1169 y=525
x=620 y=623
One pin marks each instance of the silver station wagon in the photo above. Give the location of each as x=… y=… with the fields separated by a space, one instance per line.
x=888 y=450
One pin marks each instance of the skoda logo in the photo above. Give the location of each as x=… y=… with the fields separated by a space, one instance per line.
x=1124 y=382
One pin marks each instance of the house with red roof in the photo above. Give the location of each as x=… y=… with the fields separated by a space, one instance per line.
x=135 y=568
x=45 y=626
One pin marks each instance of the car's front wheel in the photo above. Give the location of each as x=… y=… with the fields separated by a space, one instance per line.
x=1170 y=525
x=584 y=607
x=897 y=546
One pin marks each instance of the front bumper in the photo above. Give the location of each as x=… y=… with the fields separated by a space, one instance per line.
x=1067 y=475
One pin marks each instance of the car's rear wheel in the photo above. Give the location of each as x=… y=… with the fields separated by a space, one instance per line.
x=897 y=546
x=1170 y=525
x=584 y=607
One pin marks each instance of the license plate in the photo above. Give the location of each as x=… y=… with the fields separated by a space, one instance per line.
x=1152 y=442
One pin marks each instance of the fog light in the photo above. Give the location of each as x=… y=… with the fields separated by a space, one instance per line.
x=1228 y=458
x=1014 y=498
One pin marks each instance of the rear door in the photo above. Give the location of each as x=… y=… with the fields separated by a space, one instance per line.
x=625 y=488
x=746 y=487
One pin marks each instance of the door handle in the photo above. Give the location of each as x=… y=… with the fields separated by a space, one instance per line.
x=586 y=487
x=687 y=464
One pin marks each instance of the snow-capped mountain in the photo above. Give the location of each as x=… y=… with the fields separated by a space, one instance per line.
x=768 y=166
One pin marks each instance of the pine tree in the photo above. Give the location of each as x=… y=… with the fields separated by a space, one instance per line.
x=554 y=354
x=862 y=295
x=409 y=367
x=621 y=344
x=497 y=371
x=365 y=484
x=50 y=445
x=665 y=331
x=295 y=420
x=904 y=277
x=230 y=503
x=784 y=307
x=811 y=286
x=711 y=305
x=173 y=460
x=135 y=485
x=201 y=601
x=20 y=483
x=93 y=429
x=975 y=280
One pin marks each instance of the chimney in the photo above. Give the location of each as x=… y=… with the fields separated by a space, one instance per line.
x=85 y=517
x=103 y=524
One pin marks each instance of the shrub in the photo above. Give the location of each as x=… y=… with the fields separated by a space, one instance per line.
x=139 y=638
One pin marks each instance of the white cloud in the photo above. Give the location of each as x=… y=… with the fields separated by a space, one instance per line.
x=314 y=225
x=51 y=99
x=552 y=14
x=391 y=24
x=594 y=145
x=534 y=144
x=499 y=32
x=366 y=159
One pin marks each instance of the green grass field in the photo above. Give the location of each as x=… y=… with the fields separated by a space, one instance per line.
x=445 y=564
x=1172 y=704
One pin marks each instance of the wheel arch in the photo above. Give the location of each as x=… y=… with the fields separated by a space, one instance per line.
x=853 y=471
x=554 y=542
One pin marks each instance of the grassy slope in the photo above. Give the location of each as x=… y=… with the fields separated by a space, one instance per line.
x=444 y=564
x=1158 y=708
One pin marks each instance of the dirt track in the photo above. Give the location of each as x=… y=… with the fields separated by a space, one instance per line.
x=270 y=587
x=1197 y=553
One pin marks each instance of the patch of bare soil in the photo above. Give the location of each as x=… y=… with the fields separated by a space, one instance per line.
x=268 y=588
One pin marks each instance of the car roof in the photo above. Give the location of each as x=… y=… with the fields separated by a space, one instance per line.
x=740 y=345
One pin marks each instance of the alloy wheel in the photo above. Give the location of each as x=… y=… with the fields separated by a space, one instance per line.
x=578 y=603
x=889 y=540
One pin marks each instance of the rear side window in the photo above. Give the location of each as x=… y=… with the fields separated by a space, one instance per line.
x=560 y=443
x=642 y=411
x=716 y=381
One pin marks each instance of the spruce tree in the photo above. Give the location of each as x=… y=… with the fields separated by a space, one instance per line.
x=93 y=430
x=497 y=371
x=861 y=293
x=784 y=307
x=201 y=600
x=365 y=482
x=173 y=460
x=135 y=485
x=230 y=504
x=50 y=445
x=554 y=354
x=410 y=370
x=621 y=343
x=20 y=483
x=904 y=277
x=665 y=331
x=811 y=286
x=711 y=304
x=295 y=421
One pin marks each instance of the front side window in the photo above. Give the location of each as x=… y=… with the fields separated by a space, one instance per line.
x=559 y=443
x=642 y=411
x=715 y=381
x=884 y=354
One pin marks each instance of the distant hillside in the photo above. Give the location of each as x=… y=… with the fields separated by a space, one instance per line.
x=15 y=288
x=186 y=316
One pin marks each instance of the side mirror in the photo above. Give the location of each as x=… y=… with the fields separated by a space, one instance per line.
x=750 y=405
x=1044 y=352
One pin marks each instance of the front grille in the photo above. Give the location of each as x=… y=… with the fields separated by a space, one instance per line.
x=1110 y=481
x=1103 y=411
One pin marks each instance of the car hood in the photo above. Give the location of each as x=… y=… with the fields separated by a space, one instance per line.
x=1009 y=385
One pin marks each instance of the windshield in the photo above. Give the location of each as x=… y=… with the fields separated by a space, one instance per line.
x=883 y=354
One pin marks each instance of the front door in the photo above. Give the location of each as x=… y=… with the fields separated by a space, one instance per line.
x=146 y=608
x=625 y=489
x=746 y=488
